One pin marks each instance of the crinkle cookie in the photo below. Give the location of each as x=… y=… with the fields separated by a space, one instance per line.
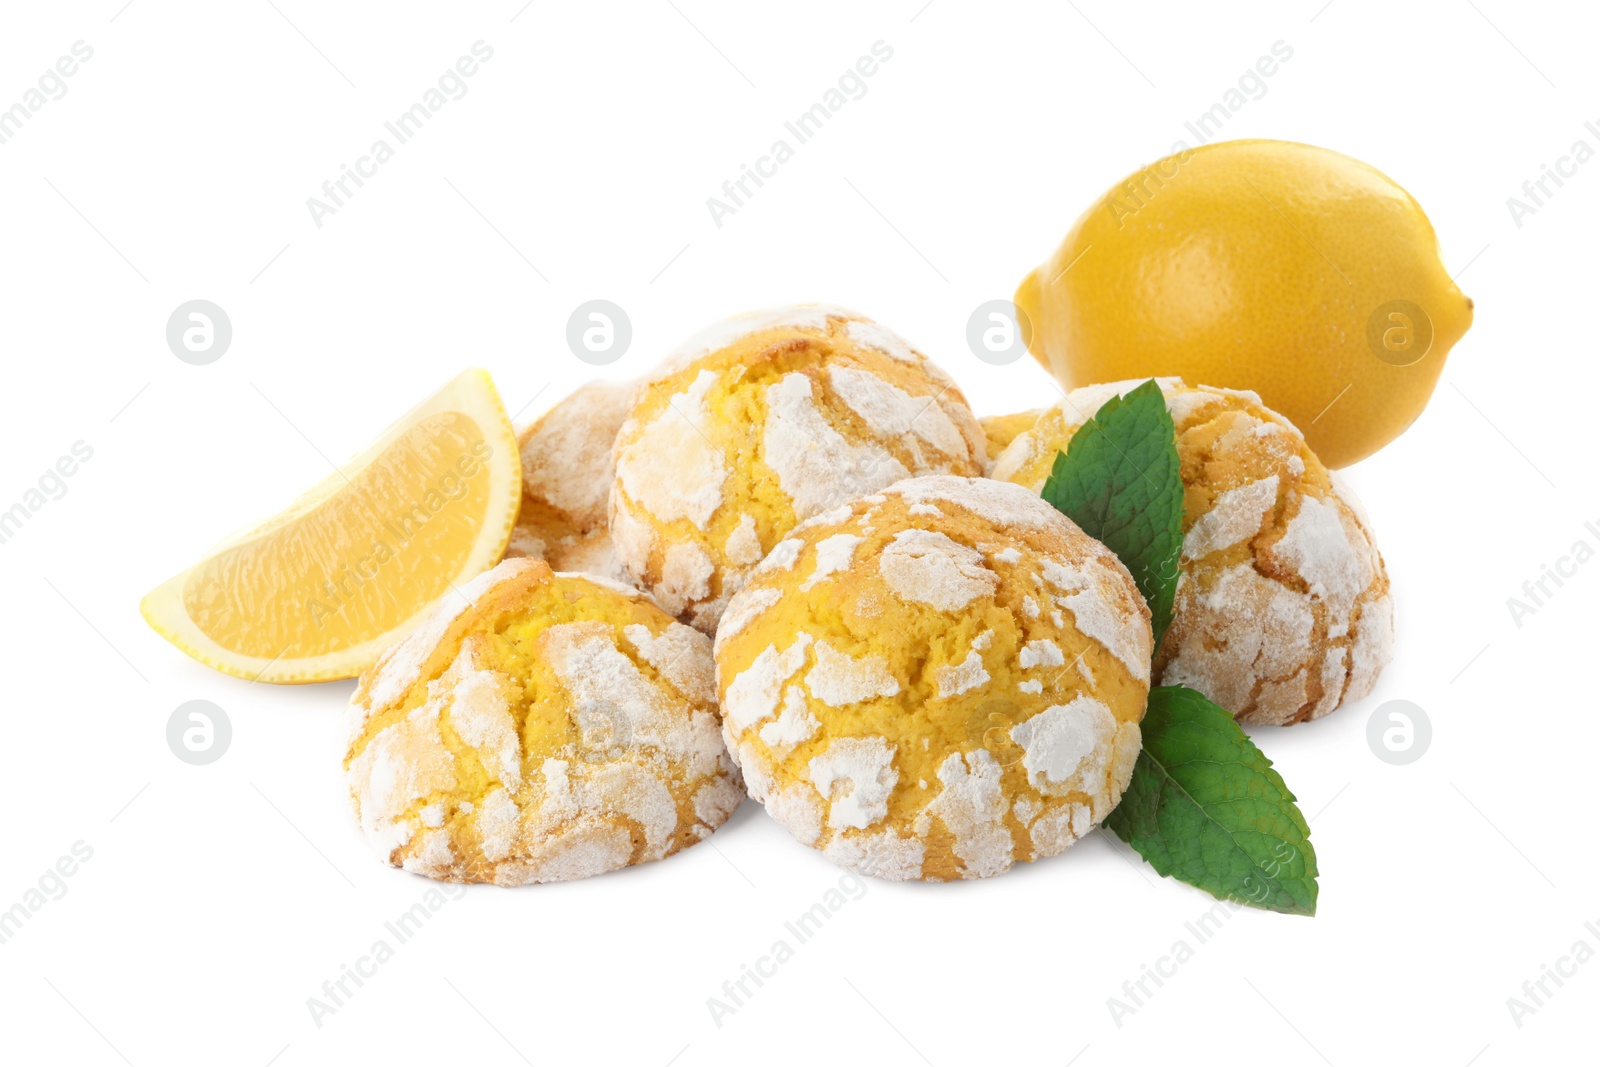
x=567 y=471
x=761 y=422
x=1283 y=609
x=536 y=728
x=1000 y=430
x=937 y=680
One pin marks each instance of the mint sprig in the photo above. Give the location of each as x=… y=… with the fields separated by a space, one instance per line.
x=1206 y=807
x=1118 y=480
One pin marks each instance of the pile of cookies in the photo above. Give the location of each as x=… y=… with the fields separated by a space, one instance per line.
x=792 y=562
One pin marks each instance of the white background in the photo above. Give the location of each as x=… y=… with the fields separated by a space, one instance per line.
x=219 y=898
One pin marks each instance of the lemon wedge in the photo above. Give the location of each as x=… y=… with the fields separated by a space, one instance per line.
x=319 y=590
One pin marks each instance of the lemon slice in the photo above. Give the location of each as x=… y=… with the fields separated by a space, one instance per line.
x=319 y=590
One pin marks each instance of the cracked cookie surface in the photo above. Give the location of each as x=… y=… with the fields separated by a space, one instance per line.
x=936 y=681
x=567 y=470
x=538 y=727
x=1283 y=610
x=761 y=422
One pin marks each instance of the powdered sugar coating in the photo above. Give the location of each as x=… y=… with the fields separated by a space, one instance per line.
x=883 y=713
x=963 y=677
x=839 y=679
x=833 y=555
x=891 y=411
x=670 y=468
x=566 y=455
x=627 y=739
x=857 y=775
x=872 y=335
x=1236 y=515
x=567 y=471
x=791 y=413
x=927 y=567
x=1283 y=610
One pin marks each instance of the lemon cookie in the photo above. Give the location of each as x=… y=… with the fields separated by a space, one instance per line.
x=538 y=727
x=567 y=471
x=937 y=680
x=761 y=422
x=1000 y=430
x=1283 y=609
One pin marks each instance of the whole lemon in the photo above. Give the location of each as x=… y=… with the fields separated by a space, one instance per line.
x=1297 y=272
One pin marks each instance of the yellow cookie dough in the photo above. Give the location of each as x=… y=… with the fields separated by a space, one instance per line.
x=937 y=680
x=538 y=727
x=567 y=471
x=1000 y=430
x=761 y=422
x=1283 y=609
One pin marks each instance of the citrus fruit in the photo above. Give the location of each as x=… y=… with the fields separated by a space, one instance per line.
x=1296 y=272
x=319 y=590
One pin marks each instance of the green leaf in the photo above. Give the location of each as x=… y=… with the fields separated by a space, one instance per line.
x=1206 y=807
x=1119 y=481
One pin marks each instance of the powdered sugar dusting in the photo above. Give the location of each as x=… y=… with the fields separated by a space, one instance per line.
x=856 y=775
x=961 y=677
x=566 y=455
x=680 y=654
x=794 y=724
x=833 y=555
x=882 y=339
x=891 y=411
x=753 y=695
x=400 y=669
x=744 y=544
x=1091 y=596
x=1059 y=741
x=1080 y=405
x=972 y=807
x=928 y=567
x=814 y=463
x=1040 y=653
x=1318 y=548
x=480 y=711
x=840 y=680
x=1235 y=515
x=797 y=809
x=670 y=469
x=731 y=330
x=783 y=556
x=883 y=854
x=686 y=571
x=744 y=609
x=1000 y=503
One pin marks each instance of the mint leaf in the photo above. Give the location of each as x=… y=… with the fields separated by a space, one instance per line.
x=1206 y=807
x=1118 y=480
